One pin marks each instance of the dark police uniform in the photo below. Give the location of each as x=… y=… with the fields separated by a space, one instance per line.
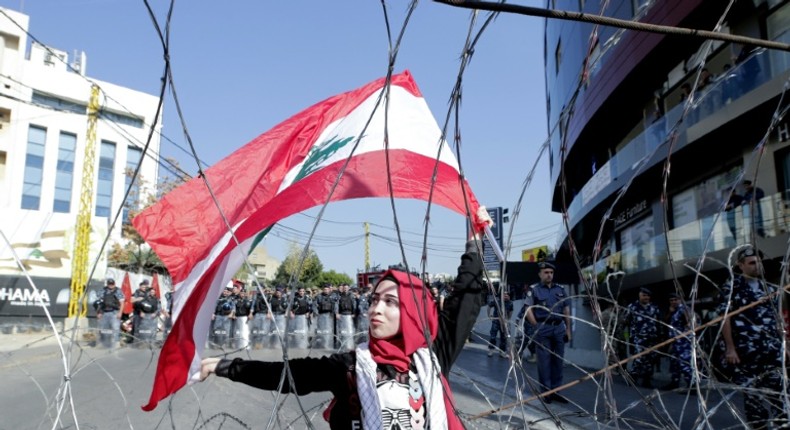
x=346 y=304
x=323 y=304
x=759 y=347
x=344 y=326
x=226 y=305
x=643 y=328
x=145 y=312
x=240 y=327
x=548 y=303
x=680 y=363
x=324 y=308
x=108 y=305
x=496 y=325
x=278 y=321
x=260 y=326
x=298 y=325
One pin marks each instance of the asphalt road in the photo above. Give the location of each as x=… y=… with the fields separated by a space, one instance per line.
x=107 y=389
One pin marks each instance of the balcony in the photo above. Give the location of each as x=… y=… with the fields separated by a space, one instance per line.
x=642 y=151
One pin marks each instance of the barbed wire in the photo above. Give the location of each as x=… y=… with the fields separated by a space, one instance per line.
x=517 y=376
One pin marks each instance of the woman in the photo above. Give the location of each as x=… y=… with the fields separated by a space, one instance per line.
x=395 y=379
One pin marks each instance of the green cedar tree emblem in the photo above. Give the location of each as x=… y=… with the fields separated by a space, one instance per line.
x=320 y=153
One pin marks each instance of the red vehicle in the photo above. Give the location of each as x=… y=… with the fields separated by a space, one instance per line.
x=370 y=277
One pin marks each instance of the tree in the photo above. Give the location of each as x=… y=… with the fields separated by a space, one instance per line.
x=334 y=278
x=135 y=258
x=311 y=269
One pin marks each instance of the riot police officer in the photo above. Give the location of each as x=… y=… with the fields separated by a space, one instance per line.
x=223 y=313
x=260 y=320
x=324 y=309
x=108 y=312
x=279 y=304
x=680 y=349
x=346 y=306
x=549 y=314
x=146 y=309
x=643 y=318
x=752 y=341
x=300 y=310
x=499 y=320
x=241 y=328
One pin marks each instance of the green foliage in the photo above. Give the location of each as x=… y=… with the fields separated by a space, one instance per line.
x=334 y=278
x=135 y=258
x=311 y=268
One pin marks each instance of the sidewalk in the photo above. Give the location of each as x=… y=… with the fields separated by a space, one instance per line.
x=594 y=404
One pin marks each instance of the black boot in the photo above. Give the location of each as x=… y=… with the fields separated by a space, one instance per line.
x=671 y=386
x=646 y=382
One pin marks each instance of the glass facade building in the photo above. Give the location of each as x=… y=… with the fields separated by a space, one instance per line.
x=653 y=139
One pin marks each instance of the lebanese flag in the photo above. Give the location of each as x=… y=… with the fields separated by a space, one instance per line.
x=126 y=289
x=289 y=169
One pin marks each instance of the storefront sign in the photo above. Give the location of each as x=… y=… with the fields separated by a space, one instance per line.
x=629 y=214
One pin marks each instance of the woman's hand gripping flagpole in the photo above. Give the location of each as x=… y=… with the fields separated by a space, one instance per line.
x=483 y=224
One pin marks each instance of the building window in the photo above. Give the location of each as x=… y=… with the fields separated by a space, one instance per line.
x=106 y=170
x=133 y=156
x=64 y=179
x=120 y=118
x=58 y=103
x=637 y=242
x=558 y=57
x=34 y=167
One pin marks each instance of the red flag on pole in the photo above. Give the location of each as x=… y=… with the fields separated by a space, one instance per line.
x=126 y=289
x=289 y=169
x=155 y=286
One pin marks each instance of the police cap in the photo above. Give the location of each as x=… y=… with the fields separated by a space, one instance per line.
x=144 y=282
x=545 y=265
x=674 y=296
x=110 y=281
x=747 y=252
x=646 y=291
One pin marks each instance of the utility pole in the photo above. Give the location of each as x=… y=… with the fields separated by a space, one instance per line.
x=82 y=233
x=367 y=247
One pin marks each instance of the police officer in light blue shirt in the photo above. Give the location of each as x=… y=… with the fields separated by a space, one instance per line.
x=549 y=314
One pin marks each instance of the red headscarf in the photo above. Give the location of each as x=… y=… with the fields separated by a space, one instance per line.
x=417 y=312
x=416 y=309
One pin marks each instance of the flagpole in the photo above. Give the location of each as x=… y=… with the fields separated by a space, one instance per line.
x=494 y=244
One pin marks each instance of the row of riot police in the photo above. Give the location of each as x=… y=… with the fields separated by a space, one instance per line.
x=341 y=317
x=327 y=320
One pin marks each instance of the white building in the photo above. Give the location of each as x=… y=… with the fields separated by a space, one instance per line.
x=43 y=126
x=265 y=265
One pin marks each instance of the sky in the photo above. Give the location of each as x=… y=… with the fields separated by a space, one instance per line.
x=241 y=67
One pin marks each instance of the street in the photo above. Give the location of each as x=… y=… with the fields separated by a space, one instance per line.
x=107 y=389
